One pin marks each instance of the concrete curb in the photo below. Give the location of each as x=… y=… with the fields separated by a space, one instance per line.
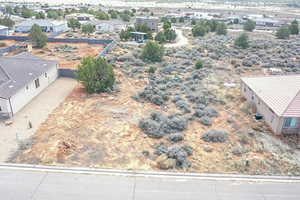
x=152 y=174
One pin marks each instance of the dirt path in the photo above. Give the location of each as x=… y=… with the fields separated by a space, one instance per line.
x=181 y=40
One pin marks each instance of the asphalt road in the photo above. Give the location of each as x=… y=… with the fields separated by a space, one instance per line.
x=16 y=184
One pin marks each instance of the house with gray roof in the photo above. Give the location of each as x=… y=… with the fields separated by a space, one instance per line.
x=52 y=26
x=22 y=77
x=277 y=99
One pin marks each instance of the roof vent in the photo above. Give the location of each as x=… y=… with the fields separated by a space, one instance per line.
x=30 y=74
x=11 y=86
x=45 y=64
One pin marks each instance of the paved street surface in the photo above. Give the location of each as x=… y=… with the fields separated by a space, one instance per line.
x=16 y=184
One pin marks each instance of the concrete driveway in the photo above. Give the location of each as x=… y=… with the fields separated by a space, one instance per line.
x=36 y=112
x=181 y=40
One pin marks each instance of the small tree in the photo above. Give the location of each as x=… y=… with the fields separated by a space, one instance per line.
x=40 y=15
x=167 y=25
x=73 y=23
x=125 y=35
x=242 y=41
x=37 y=37
x=294 y=27
x=283 y=32
x=96 y=75
x=199 y=30
x=26 y=13
x=199 y=64
x=88 y=28
x=193 y=22
x=236 y=21
x=153 y=52
x=221 y=29
x=170 y=35
x=181 y=20
x=160 y=37
x=249 y=25
x=102 y=15
x=7 y=22
x=173 y=20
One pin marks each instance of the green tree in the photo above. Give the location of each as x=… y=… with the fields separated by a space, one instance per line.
x=73 y=23
x=294 y=28
x=145 y=29
x=125 y=35
x=96 y=75
x=102 y=15
x=125 y=17
x=170 y=35
x=52 y=14
x=193 y=22
x=242 y=41
x=199 y=64
x=40 y=15
x=9 y=10
x=221 y=29
x=153 y=52
x=88 y=28
x=7 y=22
x=26 y=13
x=160 y=37
x=173 y=20
x=249 y=25
x=37 y=37
x=181 y=20
x=199 y=30
x=167 y=25
x=283 y=32
x=113 y=14
x=236 y=21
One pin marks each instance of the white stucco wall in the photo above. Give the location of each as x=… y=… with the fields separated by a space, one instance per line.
x=25 y=95
x=270 y=117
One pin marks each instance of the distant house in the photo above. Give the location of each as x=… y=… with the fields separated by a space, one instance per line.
x=80 y=17
x=277 y=99
x=151 y=22
x=22 y=77
x=110 y=25
x=3 y=30
x=46 y=25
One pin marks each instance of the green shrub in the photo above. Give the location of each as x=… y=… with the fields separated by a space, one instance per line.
x=199 y=30
x=96 y=75
x=199 y=64
x=249 y=25
x=152 y=70
x=221 y=29
x=242 y=41
x=2 y=44
x=153 y=52
x=294 y=27
x=283 y=32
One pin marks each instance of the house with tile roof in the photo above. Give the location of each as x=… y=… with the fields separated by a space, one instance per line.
x=277 y=99
x=22 y=77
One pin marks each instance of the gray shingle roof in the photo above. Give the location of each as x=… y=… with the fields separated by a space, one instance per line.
x=18 y=71
x=41 y=22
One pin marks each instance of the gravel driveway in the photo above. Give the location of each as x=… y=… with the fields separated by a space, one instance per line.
x=36 y=112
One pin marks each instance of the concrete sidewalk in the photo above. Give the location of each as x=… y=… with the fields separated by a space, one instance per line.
x=36 y=112
x=18 y=184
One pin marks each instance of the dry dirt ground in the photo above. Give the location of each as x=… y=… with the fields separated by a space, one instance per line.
x=69 y=58
x=102 y=131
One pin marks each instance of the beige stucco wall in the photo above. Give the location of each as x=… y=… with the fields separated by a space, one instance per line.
x=270 y=117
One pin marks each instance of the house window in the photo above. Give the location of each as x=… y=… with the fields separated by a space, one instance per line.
x=46 y=75
x=37 y=83
x=290 y=122
x=27 y=87
x=252 y=97
x=0 y=109
x=272 y=118
x=258 y=102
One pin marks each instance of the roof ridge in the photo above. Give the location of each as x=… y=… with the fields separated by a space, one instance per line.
x=288 y=106
x=7 y=75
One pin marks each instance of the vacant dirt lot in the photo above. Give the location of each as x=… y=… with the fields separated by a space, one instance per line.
x=69 y=55
x=116 y=130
